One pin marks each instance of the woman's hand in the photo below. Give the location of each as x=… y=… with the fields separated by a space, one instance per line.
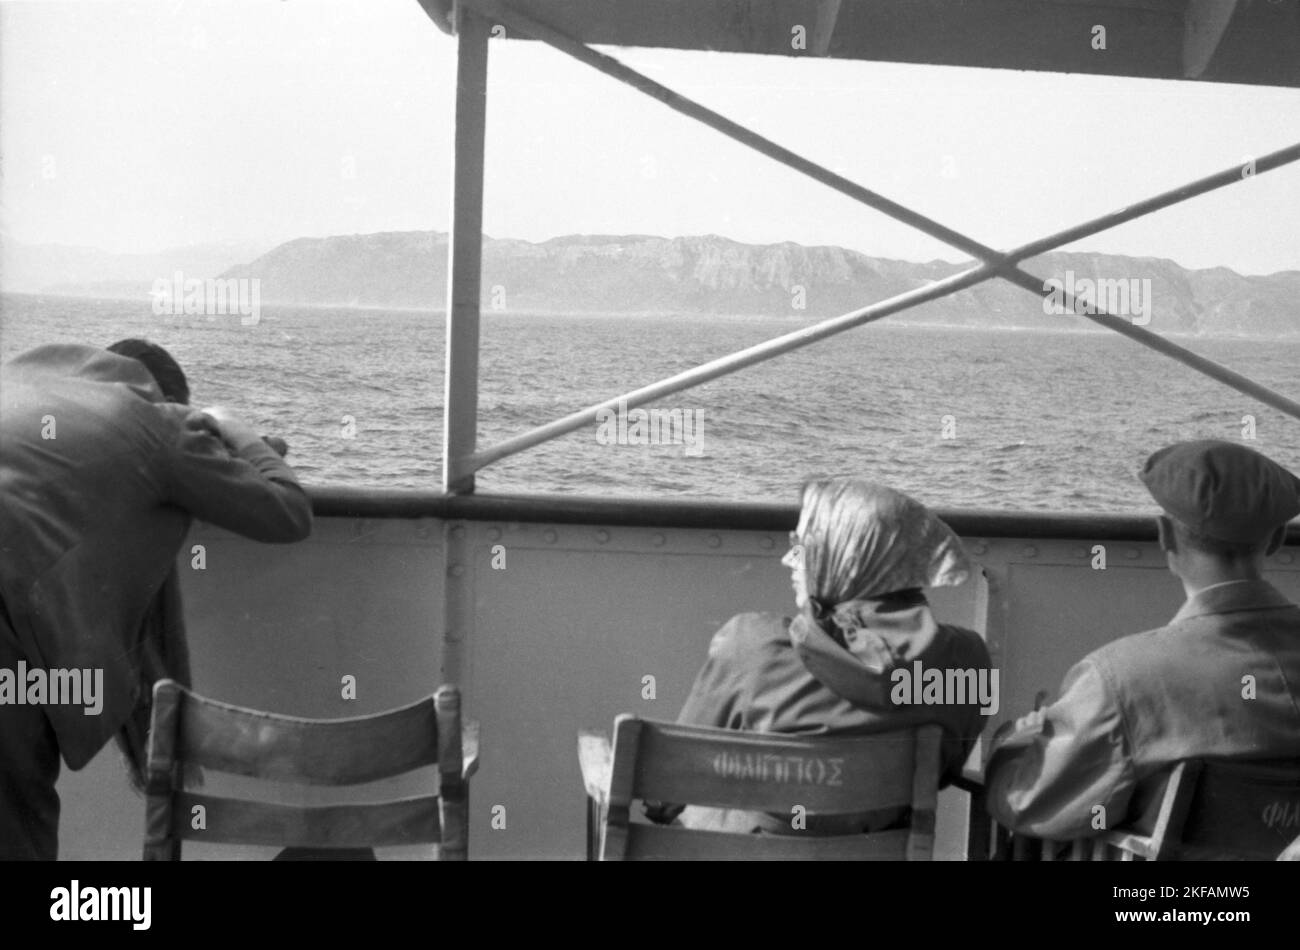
x=1030 y=724
x=1031 y=721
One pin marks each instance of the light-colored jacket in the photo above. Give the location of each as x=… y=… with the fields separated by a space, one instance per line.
x=1222 y=679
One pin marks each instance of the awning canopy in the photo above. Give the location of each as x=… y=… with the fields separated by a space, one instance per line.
x=1238 y=41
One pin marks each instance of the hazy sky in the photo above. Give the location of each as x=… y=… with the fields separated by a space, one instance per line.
x=139 y=126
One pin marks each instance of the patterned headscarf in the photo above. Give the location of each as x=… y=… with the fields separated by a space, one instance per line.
x=862 y=541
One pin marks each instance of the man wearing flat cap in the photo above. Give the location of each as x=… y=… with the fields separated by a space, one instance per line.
x=1130 y=710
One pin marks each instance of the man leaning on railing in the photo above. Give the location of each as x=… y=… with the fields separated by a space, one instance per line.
x=103 y=467
x=1220 y=679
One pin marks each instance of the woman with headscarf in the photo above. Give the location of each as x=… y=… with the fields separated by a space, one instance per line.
x=859 y=560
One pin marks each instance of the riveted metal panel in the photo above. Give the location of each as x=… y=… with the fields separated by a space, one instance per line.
x=560 y=625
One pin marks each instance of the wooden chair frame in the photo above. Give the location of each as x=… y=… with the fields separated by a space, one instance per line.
x=190 y=731
x=761 y=772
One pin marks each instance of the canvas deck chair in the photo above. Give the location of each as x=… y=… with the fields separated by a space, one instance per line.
x=1210 y=810
x=762 y=772
x=189 y=730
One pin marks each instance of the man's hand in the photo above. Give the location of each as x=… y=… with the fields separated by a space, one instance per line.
x=234 y=431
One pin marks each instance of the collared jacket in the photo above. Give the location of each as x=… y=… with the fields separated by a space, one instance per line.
x=767 y=673
x=1222 y=679
x=99 y=480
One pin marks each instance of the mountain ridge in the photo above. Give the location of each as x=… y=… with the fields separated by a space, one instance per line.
x=710 y=274
x=705 y=275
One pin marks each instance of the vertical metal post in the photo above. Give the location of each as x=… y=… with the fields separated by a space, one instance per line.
x=465 y=253
x=464 y=277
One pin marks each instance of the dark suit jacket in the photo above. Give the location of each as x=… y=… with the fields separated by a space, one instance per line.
x=766 y=673
x=99 y=478
x=760 y=678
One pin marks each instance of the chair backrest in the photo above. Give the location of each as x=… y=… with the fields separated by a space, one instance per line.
x=189 y=731
x=1225 y=810
x=788 y=776
x=1209 y=810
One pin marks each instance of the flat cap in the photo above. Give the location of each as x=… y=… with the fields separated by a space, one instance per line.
x=1222 y=490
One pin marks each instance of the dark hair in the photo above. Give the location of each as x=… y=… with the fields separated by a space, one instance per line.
x=1229 y=550
x=165 y=370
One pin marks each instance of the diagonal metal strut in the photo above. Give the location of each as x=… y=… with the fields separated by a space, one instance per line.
x=994 y=263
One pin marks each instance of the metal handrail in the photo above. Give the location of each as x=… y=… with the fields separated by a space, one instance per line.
x=995 y=263
x=641 y=511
